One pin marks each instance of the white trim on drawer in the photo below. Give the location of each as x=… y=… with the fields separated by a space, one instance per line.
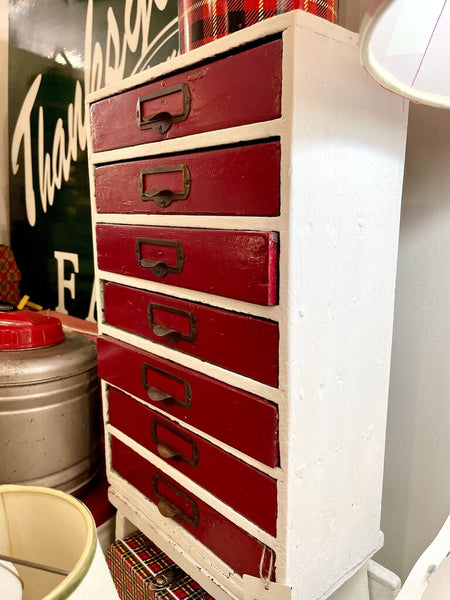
x=207 y=139
x=194 y=221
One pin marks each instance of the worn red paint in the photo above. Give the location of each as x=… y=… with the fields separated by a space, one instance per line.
x=241 y=420
x=238 y=342
x=236 y=90
x=249 y=491
x=243 y=180
x=229 y=542
x=236 y=264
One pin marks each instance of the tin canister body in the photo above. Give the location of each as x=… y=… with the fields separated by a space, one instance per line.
x=50 y=431
x=202 y=21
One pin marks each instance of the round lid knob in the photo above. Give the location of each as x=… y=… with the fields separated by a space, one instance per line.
x=25 y=329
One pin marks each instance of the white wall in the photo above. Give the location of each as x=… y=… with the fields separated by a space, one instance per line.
x=4 y=187
x=416 y=497
x=351 y=13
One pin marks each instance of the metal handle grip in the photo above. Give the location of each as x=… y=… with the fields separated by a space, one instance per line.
x=182 y=387
x=169 y=510
x=157 y=395
x=171 y=335
x=159 y=266
x=161 y=121
x=166 y=451
x=164 y=197
x=189 y=452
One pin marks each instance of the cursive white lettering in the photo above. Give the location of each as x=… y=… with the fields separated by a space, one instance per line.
x=100 y=68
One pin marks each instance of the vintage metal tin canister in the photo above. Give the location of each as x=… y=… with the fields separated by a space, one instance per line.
x=202 y=21
x=49 y=403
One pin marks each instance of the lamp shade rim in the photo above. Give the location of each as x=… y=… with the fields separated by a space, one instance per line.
x=80 y=569
x=382 y=75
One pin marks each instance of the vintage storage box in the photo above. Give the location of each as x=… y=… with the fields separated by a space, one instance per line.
x=141 y=571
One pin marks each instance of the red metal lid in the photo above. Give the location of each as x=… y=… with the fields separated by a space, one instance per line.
x=25 y=329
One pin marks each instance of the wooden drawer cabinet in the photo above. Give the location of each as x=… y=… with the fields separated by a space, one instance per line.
x=245 y=201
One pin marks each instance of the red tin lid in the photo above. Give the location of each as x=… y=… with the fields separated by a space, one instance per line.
x=25 y=329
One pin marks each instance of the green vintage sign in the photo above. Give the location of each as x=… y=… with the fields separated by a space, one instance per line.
x=59 y=51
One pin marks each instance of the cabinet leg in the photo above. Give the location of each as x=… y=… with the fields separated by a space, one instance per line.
x=124 y=527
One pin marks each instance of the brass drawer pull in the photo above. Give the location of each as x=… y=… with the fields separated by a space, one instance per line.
x=157 y=395
x=164 y=197
x=171 y=335
x=159 y=266
x=161 y=121
x=168 y=509
x=167 y=451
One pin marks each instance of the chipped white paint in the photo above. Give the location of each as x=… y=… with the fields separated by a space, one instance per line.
x=342 y=142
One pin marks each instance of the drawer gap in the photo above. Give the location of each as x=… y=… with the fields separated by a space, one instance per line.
x=195 y=151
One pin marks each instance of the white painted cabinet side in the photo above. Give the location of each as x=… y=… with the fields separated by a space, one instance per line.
x=337 y=280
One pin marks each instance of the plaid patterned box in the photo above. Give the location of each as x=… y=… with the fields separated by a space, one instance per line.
x=139 y=568
x=202 y=21
x=9 y=276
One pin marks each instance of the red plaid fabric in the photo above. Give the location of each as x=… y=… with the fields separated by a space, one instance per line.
x=9 y=276
x=135 y=560
x=202 y=21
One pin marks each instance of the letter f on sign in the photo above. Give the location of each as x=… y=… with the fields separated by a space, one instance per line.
x=69 y=284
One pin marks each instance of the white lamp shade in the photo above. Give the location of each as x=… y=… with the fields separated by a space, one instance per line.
x=429 y=578
x=405 y=46
x=50 y=527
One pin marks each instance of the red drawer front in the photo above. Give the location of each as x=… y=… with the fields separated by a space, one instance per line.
x=235 y=264
x=243 y=180
x=240 y=89
x=250 y=492
x=240 y=343
x=241 y=420
x=234 y=546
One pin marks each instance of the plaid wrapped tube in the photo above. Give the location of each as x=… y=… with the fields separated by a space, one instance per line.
x=133 y=563
x=202 y=21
